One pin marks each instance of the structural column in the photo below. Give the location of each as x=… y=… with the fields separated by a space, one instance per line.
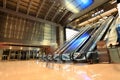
x=1 y=52
x=118 y=7
x=60 y=35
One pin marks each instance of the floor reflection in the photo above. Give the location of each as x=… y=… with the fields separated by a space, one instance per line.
x=37 y=70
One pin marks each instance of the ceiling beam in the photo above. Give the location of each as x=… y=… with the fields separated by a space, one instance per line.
x=22 y=15
x=66 y=11
x=28 y=10
x=4 y=3
x=40 y=8
x=57 y=12
x=50 y=9
x=17 y=8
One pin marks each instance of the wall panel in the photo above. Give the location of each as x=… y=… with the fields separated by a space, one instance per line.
x=15 y=29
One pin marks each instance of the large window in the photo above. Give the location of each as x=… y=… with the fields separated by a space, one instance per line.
x=70 y=33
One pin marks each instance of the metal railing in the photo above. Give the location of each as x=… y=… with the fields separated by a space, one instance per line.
x=95 y=38
x=114 y=54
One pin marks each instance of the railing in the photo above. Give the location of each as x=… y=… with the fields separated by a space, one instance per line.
x=70 y=41
x=97 y=36
x=115 y=54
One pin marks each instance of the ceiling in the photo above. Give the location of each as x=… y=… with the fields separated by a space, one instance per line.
x=91 y=16
x=52 y=11
x=93 y=6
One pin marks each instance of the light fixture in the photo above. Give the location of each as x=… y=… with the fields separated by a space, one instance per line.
x=71 y=7
x=10 y=47
x=30 y=48
x=21 y=48
x=76 y=6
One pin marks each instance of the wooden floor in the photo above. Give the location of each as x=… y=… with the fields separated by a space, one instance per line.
x=36 y=70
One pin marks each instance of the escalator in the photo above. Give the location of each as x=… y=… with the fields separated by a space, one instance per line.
x=84 y=53
x=65 y=56
x=95 y=29
x=62 y=48
x=118 y=30
x=68 y=44
x=111 y=37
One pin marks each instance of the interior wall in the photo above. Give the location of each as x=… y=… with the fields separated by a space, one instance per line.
x=20 y=30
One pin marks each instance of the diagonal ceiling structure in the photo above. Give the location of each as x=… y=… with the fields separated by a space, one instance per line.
x=50 y=11
x=46 y=10
x=93 y=6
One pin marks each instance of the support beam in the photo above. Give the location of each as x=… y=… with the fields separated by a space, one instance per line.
x=55 y=15
x=28 y=10
x=49 y=10
x=63 y=15
x=4 y=3
x=26 y=16
x=17 y=8
x=40 y=8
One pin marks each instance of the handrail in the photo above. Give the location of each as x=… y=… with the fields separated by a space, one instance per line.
x=77 y=38
x=96 y=36
x=83 y=50
x=66 y=43
x=90 y=35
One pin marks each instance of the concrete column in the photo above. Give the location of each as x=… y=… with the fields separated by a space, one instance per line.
x=61 y=35
x=1 y=52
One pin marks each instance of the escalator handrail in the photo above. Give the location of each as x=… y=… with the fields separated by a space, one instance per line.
x=98 y=32
x=101 y=33
x=63 y=49
x=82 y=49
x=92 y=38
x=105 y=27
x=80 y=45
x=59 y=49
x=76 y=39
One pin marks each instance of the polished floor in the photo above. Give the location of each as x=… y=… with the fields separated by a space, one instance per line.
x=36 y=70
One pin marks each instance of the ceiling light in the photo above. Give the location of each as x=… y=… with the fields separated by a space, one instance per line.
x=76 y=6
x=30 y=48
x=71 y=7
x=10 y=47
x=21 y=48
